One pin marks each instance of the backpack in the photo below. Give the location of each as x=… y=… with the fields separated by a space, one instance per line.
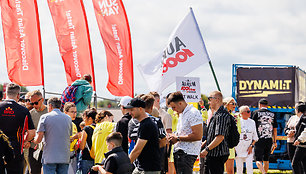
x=68 y=95
x=233 y=136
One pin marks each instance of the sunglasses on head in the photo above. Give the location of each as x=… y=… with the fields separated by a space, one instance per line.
x=35 y=103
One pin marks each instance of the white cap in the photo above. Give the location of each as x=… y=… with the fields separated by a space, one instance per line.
x=125 y=100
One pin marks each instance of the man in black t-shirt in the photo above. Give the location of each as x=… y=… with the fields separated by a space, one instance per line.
x=122 y=124
x=16 y=122
x=266 y=126
x=147 y=147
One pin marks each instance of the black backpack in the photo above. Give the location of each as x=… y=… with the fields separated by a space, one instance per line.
x=233 y=136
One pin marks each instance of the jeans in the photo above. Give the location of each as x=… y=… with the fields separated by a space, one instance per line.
x=215 y=165
x=86 y=165
x=136 y=171
x=58 y=168
x=184 y=162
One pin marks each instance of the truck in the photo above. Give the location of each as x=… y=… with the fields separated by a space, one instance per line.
x=282 y=86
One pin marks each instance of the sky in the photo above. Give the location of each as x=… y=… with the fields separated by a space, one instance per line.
x=235 y=32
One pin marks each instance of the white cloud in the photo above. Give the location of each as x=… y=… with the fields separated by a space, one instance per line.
x=259 y=32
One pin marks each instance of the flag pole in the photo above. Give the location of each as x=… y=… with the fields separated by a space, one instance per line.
x=215 y=77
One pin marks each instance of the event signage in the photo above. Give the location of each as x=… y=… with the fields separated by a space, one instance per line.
x=277 y=85
x=190 y=88
x=115 y=31
x=184 y=52
x=22 y=41
x=73 y=39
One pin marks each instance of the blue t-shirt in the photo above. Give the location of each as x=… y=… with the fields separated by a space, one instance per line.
x=57 y=128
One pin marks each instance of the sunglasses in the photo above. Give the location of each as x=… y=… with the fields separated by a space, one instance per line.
x=209 y=98
x=35 y=103
x=247 y=111
x=27 y=100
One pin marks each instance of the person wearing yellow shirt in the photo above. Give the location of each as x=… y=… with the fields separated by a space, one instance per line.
x=71 y=110
x=104 y=126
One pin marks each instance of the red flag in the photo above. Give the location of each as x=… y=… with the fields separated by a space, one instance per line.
x=115 y=32
x=22 y=40
x=72 y=35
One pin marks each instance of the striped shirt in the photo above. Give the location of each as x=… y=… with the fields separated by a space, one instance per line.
x=218 y=125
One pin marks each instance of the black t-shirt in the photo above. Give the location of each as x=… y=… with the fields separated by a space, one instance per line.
x=77 y=122
x=122 y=127
x=149 y=158
x=14 y=121
x=265 y=122
x=85 y=153
x=160 y=126
x=117 y=162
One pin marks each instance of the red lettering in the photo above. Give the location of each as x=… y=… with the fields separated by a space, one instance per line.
x=179 y=57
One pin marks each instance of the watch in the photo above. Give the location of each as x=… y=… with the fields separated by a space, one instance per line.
x=178 y=138
x=252 y=145
x=207 y=149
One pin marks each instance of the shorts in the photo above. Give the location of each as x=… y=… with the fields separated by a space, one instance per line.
x=263 y=149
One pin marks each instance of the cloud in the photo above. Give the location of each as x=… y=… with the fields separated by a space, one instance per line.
x=259 y=32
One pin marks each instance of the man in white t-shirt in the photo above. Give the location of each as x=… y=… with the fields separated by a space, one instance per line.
x=187 y=140
x=248 y=137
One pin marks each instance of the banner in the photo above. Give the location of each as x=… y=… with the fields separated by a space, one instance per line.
x=72 y=35
x=22 y=41
x=115 y=32
x=185 y=52
x=190 y=88
x=277 y=85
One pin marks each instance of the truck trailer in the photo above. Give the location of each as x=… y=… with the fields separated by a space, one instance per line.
x=282 y=86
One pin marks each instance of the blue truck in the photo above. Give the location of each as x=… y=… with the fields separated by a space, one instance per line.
x=282 y=86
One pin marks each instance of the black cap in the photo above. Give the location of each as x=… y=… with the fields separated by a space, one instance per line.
x=263 y=101
x=135 y=103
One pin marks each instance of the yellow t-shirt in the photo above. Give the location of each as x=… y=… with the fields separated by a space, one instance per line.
x=74 y=131
x=174 y=119
x=99 y=146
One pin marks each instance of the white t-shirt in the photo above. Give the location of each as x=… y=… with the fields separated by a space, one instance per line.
x=166 y=119
x=247 y=135
x=190 y=117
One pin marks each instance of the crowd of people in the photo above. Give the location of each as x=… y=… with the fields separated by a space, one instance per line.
x=63 y=138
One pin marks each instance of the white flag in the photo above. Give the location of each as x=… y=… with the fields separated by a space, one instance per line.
x=184 y=53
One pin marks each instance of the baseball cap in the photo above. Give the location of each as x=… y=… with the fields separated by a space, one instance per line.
x=263 y=101
x=125 y=100
x=135 y=103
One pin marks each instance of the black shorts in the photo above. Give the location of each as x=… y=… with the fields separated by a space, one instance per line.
x=263 y=149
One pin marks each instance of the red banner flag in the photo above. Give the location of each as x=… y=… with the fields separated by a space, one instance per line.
x=72 y=35
x=115 y=32
x=22 y=41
